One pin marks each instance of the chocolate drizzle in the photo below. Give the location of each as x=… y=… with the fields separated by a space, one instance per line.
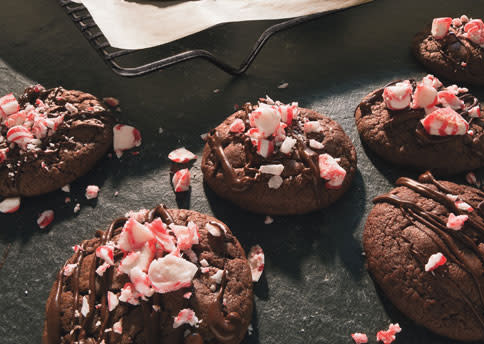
x=447 y=240
x=223 y=327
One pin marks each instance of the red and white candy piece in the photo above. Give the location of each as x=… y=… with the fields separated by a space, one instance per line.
x=129 y=295
x=435 y=260
x=314 y=144
x=288 y=112
x=237 y=126
x=265 y=147
x=171 y=273
x=456 y=222
x=274 y=169
x=8 y=105
x=266 y=119
x=440 y=27
x=125 y=137
x=181 y=155
x=398 y=96
x=185 y=316
x=20 y=135
x=118 y=326
x=359 y=338
x=424 y=96
x=141 y=282
x=101 y=269
x=16 y=119
x=186 y=236
x=463 y=206
x=45 y=218
x=431 y=80
x=10 y=205
x=112 y=301
x=181 y=180
x=449 y=99
x=69 y=269
x=287 y=145
x=256 y=262
x=134 y=235
x=388 y=336
x=106 y=253
x=92 y=191
x=312 y=127
x=330 y=170
x=445 y=121
x=475 y=112
x=163 y=238
x=474 y=31
x=3 y=154
x=214 y=230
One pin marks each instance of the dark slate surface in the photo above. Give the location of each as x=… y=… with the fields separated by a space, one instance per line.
x=315 y=288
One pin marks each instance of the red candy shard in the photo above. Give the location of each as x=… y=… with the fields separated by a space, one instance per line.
x=256 y=261
x=10 y=205
x=171 y=273
x=474 y=31
x=45 y=219
x=435 y=261
x=92 y=191
x=445 y=121
x=163 y=238
x=424 y=96
x=359 y=338
x=237 y=126
x=265 y=147
x=106 y=253
x=266 y=119
x=456 y=222
x=449 y=99
x=134 y=235
x=8 y=105
x=20 y=135
x=181 y=180
x=330 y=170
x=125 y=137
x=185 y=316
x=440 y=27
x=398 y=96
x=388 y=336
x=181 y=155
x=112 y=301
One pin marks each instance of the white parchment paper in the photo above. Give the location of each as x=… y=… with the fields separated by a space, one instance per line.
x=129 y=24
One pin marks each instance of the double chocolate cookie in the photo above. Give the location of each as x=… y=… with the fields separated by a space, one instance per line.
x=279 y=159
x=424 y=244
x=423 y=125
x=158 y=276
x=48 y=138
x=453 y=49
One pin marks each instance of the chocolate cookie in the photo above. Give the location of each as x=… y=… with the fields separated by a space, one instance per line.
x=48 y=138
x=279 y=159
x=158 y=276
x=453 y=49
x=424 y=244
x=423 y=125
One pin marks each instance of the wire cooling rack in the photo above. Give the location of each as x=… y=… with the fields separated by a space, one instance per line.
x=85 y=23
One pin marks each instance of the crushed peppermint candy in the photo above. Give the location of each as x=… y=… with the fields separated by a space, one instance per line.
x=398 y=96
x=444 y=122
x=45 y=218
x=435 y=260
x=456 y=222
x=462 y=27
x=359 y=338
x=185 y=316
x=331 y=171
x=85 y=306
x=388 y=336
x=10 y=205
x=181 y=180
x=92 y=191
x=112 y=301
x=118 y=326
x=66 y=188
x=461 y=205
x=268 y=220
x=102 y=269
x=69 y=269
x=472 y=179
x=256 y=262
x=275 y=170
x=181 y=155
x=77 y=208
x=125 y=137
x=275 y=182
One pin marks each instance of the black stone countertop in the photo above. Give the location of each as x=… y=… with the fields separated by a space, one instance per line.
x=315 y=288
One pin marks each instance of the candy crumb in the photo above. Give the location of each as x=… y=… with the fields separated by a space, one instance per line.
x=268 y=220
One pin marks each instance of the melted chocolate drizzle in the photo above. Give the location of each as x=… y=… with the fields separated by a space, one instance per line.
x=446 y=239
x=224 y=328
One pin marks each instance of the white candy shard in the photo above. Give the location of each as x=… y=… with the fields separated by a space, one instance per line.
x=315 y=144
x=69 y=269
x=435 y=261
x=118 y=326
x=186 y=316
x=398 y=96
x=112 y=301
x=85 y=306
x=275 y=182
x=275 y=169
x=287 y=145
x=217 y=277
x=10 y=205
x=92 y=191
x=181 y=155
x=256 y=262
x=171 y=273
